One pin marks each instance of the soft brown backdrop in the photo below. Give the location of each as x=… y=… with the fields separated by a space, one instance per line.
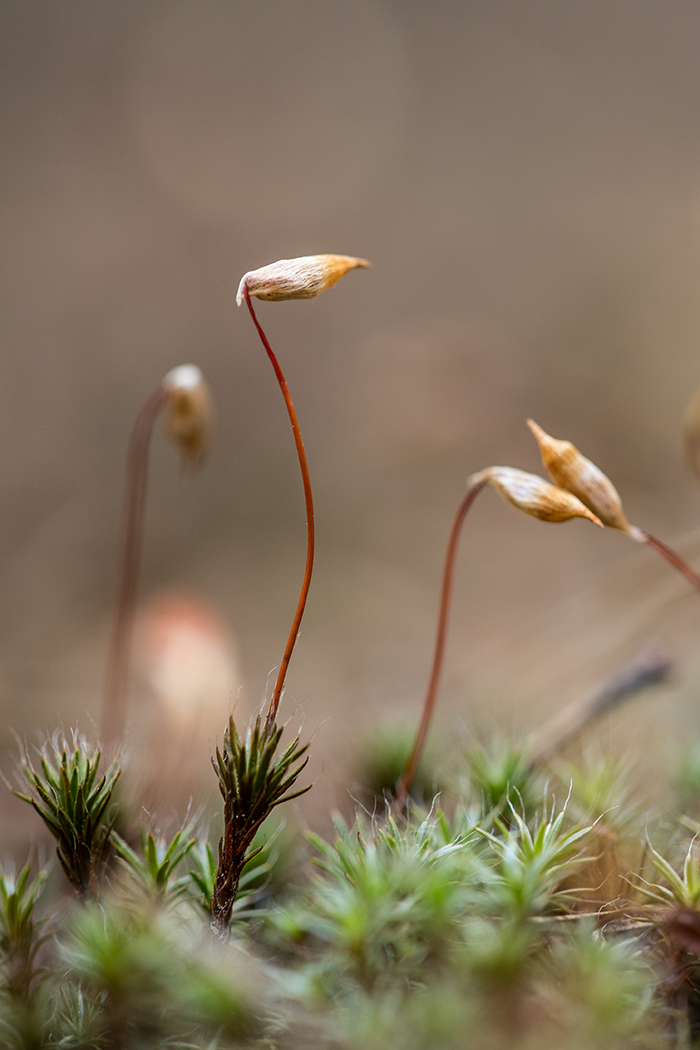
x=524 y=176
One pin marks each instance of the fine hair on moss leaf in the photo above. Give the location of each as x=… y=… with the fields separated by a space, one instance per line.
x=73 y=801
x=252 y=781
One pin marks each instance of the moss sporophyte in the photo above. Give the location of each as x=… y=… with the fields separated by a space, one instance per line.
x=528 y=493
x=585 y=480
x=496 y=911
x=184 y=398
x=582 y=490
x=302 y=278
x=251 y=780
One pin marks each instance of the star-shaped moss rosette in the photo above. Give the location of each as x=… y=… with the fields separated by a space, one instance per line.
x=73 y=802
x=574 y=472
x=533 y=496
x=252 y=783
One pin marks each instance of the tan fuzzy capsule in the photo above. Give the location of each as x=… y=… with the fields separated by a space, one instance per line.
x=302 y=278
x=189 y=413
x=579 y=475
x=534 y=495
x=691 y=434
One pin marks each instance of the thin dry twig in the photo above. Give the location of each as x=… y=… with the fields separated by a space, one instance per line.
x=653 y=666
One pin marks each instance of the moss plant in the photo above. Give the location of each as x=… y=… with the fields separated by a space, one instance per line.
x=500 y=773
x=21 y=931
x=185 y=399
x=252 y=782
x=380 y=760
x=302 y=278
x=532 y=863
x=417 y=933
x=156 y=865
x=387 y=902
x=74 y=805
x=527 y=493
x=543 y=906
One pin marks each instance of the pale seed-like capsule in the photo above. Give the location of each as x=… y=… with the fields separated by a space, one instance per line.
x=302 y=278
x=534 y=495
x=189 y=413
x=584 y=479
x=691 y=434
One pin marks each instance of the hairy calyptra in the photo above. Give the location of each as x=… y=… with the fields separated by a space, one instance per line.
x=189 y=413
x=569 y=468
x=301 y=278
x=252 y=780
x=533 y=495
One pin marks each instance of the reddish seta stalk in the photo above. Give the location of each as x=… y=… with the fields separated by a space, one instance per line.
x=674 y=559
x=310 y=531
x=131 y=542
x=184 y=395
x=411 y=768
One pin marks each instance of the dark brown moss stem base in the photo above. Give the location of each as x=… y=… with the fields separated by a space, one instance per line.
x=253 y=779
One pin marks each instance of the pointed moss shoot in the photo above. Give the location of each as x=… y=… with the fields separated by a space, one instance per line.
x=74 y=803
x=527 y=493
x=184 y=398
x=155 y=868
x=21 y=933
x=302 y=278
x=252 y=782
x=533 y=863
x=585 y=480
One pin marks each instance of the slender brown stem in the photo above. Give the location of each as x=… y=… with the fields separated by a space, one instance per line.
x=411 y=767
x=649 y=668
x=129 y=559
x=310 y=531
x=678 y=563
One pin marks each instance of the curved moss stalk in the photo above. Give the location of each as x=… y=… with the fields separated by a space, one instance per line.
x=184 y=395
x=310 y=529
x=129 y=560
x=411 y=767
x=672 y=557
x=528 y=493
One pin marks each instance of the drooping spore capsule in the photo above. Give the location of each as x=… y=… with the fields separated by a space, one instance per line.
x=301 y=278
x=189 y=413
x=533 y=495
x=572 y=471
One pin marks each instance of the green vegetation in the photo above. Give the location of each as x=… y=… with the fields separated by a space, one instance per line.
x=474 y=925
x=503 y=901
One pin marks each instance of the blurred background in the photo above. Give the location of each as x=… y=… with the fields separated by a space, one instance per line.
x=524 y=177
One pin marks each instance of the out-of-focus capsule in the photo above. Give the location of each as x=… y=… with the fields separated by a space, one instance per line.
x=189 y=413
x=691 y=434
